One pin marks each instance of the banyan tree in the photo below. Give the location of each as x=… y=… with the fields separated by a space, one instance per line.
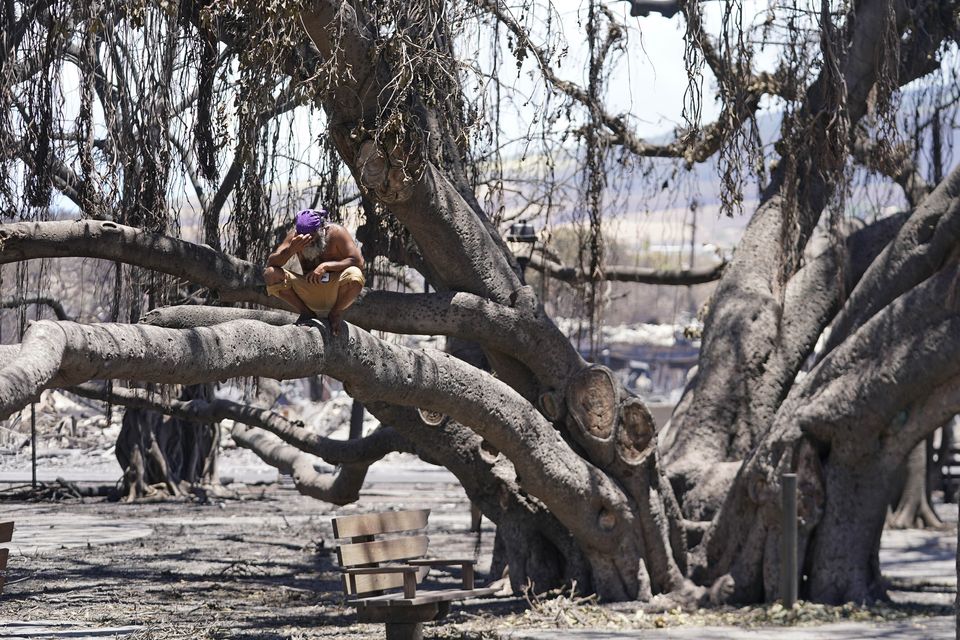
x=117 y=114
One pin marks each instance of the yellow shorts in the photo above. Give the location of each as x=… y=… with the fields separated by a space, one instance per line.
x=319 y=297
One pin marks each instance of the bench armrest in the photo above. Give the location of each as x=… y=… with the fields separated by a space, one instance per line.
x=466 y=566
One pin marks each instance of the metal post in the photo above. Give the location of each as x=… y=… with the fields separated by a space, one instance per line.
x=33 y=445
x=356 y=420
x=788 y=552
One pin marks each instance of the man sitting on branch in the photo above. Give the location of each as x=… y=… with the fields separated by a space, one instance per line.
x=330 y=262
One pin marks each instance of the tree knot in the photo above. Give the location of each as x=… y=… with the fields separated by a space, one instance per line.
x=390 y=174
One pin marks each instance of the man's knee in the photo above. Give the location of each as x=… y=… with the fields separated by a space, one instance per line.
x=350 y=289
x=273 y=275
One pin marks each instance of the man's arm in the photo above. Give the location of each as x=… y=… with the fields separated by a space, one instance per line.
x=290 y=246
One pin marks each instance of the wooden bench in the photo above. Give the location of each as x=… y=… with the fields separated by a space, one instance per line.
x=6 y=534
x=373 y=568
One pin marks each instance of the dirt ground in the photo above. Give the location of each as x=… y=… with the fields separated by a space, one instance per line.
x=260 y=564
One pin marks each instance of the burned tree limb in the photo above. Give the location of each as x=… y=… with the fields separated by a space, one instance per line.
x=47 y=301
x=367 y=449
x=232 y=279
x=340 y=487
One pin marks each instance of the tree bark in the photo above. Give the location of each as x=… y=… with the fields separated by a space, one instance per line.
x=811 y=299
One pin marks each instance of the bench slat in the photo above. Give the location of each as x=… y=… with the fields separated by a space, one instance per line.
x=358 y=584
x=376 y=523
x=351 y=555
x=423 y=597
x=6 y=531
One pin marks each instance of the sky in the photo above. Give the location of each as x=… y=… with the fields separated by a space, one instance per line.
x=650 y=82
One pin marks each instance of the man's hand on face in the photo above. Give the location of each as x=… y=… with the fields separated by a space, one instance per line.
x=300 y=241
x=316 y=276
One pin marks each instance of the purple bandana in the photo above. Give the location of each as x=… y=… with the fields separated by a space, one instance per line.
x=311 y=220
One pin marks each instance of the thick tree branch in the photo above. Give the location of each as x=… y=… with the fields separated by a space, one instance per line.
x=54 y=305
x=642 y=275
x=340 y=487
x=191 y=316
x=921 y=48
x=818 y=290
x=232 y=279
x=924 y=243
x=454 y=314
x=925 y=416
x=884 y=367
x=372 y=370
x=35 y=365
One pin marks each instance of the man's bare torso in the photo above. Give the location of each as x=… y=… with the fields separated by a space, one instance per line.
x=334 y=250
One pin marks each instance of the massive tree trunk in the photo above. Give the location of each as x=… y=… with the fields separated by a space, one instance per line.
x=843 y=451
x=767 y=312
x=886 y=300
